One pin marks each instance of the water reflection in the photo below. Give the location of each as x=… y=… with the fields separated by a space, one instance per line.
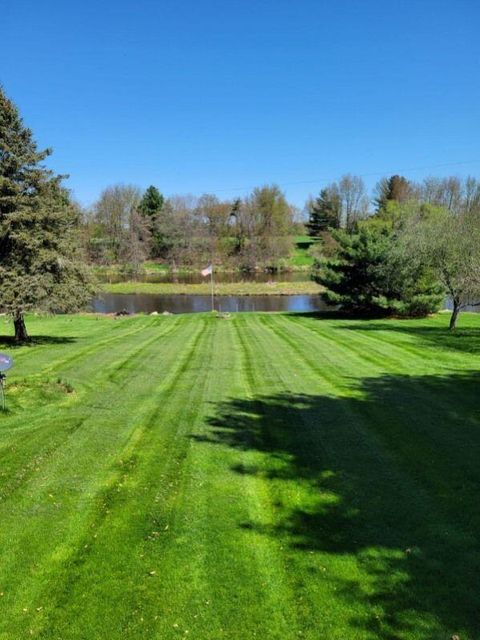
x=176 y=303
x=148 y=303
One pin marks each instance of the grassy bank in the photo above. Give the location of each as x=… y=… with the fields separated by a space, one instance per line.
x=226 y=289
x=266 y=476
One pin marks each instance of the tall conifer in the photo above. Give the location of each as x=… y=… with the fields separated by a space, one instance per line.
x=40 y=267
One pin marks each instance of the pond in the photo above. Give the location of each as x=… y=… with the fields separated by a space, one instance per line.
x=148 y=303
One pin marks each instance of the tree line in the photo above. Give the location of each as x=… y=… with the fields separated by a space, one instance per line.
x=344 y=203
x=125 y=227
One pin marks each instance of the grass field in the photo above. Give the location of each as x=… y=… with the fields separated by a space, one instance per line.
x=307 y=287
x=264 y=476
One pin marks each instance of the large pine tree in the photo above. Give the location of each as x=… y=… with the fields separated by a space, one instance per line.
x=152 y=206
x=40 y=266
x=324 y=212
x=367 y=274
x=152 y=202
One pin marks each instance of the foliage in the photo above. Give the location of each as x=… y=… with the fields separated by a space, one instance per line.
x=152 y=202
x=354 y=200
x=394 y=189
x=264 y=226
x=113 y=214
x=151 y=208
x=450 y=244
x=366 y=274
x=324 y=212
x=339 y=205
x=185 y=231
x=40 y=264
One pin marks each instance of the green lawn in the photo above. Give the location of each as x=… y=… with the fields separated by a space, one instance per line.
x=300 y=260
x=264 y=476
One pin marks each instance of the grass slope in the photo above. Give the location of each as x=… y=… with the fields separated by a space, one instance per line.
x=267 y=476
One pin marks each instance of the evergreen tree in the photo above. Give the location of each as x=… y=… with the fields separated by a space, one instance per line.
x=367 y=275
x=324 y=212
x=152 y=207
x=39 y=256
x=152 y=202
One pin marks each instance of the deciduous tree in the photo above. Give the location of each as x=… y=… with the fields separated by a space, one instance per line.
x=450 y=243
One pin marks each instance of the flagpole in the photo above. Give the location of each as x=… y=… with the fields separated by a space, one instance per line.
x=211 y=285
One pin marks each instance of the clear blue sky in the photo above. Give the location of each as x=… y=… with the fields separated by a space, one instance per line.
x=218 y=96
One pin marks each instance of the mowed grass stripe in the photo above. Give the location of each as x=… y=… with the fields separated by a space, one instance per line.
x=74 y=478
x=310 y=604
x=24 y=448
x=357 y=348
x=47 y=354
x=392 y=342
x=239 y=574
x=126 y=515
x=141 y=614
x=253 y=462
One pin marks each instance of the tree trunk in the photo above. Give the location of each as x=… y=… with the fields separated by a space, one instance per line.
x=21 y=334
x=454 y=316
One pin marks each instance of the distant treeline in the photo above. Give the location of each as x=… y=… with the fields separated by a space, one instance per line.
x=342 y=204
x=127 y=226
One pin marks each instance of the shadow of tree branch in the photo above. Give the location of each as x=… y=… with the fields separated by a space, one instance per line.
x=389 y=476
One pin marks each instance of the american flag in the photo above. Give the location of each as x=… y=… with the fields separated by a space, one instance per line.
x=207 y=271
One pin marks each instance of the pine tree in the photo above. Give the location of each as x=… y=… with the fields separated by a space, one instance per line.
x=40 y=267
x=152 y=206
x=152 y=202
x=367 y=275
x=324 y=212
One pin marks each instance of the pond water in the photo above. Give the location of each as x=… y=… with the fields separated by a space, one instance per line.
x=147 y=303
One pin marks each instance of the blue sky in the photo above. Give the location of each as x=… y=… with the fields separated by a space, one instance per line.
x=209 y=96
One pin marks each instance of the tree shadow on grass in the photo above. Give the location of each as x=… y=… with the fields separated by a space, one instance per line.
x=9 y=341
x=390 y=477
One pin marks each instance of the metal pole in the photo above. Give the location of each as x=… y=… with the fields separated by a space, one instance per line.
x=211 y=285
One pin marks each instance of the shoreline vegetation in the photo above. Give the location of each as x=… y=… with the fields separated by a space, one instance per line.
x=155 y=269
x=307 y=287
